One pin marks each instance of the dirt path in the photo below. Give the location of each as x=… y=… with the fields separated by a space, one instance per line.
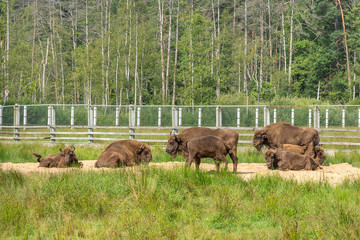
x=333 y=174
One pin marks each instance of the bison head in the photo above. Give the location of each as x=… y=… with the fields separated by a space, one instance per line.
x=69 y=155
x=259 y=139
x=144 y=154
x=173 y=145
x=270 y=158
x=320 y=154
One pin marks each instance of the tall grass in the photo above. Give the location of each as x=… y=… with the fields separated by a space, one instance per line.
x=153 y=203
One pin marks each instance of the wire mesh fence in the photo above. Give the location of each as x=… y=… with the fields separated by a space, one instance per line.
x=322 y=116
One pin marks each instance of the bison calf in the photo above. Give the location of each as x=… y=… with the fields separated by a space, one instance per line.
x=124 y=153
x=288 y=160
x=66 y=158
x=207 y=147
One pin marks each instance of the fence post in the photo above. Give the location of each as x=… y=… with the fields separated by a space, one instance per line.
x=1 y=116
x=131 y=122
x=343 y=118
x=90 y=124
x=174 y=119
x=199 y=119
x=72 y=116
x=318 y=117
x=265 y=116
x=327 y=118
x=275 y=115
x=25 y=116
x=49 y=115
x=310 y=117
x=95 y=115
x=159 y=117
x=218 y=117
x=238 y=118
x=16 y=123
x=292 y=116
x=52 y=124
x=138 y=116
x=268 y=116
x=257 y=118
x=117 y=111
x=358 y=117
x=180 y=117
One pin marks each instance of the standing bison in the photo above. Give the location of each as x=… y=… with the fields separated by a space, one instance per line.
x=124 y=153
x=66 y=158
x=176 y=143
x=207 y=147
x=273 y=135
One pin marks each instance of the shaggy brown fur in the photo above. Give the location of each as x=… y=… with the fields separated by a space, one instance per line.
x=176 y=143
x=124 y=153
x=66 y=158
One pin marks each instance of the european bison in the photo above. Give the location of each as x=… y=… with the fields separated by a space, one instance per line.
x=207 y=147
x=66 y=158
x=320 y=154
x=293 y=148
x=287 y=160
x=176 y=143
x=124 y=153
x=273 y=135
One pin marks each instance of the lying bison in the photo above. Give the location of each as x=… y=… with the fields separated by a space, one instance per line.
x=273 y=135
x=176 y=143
x=207 y=147
x=288 y=160
x=66 y=158
x=124 y=153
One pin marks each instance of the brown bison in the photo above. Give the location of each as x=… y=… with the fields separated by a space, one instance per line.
x=288 y=160
x=273 y=135
x=320 y=154
x=124 y=153
x=207 y=147
x=176 y=143
x=66 y=158
x=293 y=148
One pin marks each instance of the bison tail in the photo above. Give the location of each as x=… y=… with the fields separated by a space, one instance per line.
x=38 y=156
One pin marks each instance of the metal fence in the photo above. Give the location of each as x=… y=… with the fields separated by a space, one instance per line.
x=66 y=118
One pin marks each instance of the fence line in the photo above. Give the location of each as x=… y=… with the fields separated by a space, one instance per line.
x=128 y=118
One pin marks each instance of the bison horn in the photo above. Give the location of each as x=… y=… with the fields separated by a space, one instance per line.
x=73 y=148
x=60 y=149
x=142 y=147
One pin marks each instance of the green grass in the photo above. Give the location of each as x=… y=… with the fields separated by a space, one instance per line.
x=153 y=203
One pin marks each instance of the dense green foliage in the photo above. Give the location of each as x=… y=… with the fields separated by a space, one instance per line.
x=153 y=203
x=111 y=52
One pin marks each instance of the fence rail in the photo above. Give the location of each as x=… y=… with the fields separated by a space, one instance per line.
x=337 y=124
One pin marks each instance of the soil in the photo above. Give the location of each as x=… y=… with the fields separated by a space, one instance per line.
x=333 y=174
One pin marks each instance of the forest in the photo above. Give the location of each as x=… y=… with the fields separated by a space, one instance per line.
x=184 y=52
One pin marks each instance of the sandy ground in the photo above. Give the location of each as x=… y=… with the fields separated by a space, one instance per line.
x=333 y=174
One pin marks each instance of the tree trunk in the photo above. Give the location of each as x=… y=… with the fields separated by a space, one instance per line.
x=161 y=21
x=7 y=44
x=34 y=38
x=108 y=30
x=283 y=34
x=291 y=41
x=136 y=61
x=218 y=54
x=168 y=51
x=261 y=42
x=234 y=20
x=176 y=53
x=44 y=70
x=346 y=46
x=245 y=45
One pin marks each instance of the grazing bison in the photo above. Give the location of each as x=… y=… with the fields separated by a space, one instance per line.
x=176 y=143
x=207 y=147
x=287 y=160
x=273 y=135
x=124 y=153
x=66 y=158
x=320 y=154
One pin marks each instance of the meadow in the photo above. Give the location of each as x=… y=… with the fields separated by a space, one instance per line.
x=180 y=203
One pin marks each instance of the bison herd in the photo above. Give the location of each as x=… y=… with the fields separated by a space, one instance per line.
x=288 y=148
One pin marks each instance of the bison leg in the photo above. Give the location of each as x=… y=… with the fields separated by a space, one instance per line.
x=310 y=150
x=189 y=161
x=224 y=159
x=197 y=162
x=234 y=159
